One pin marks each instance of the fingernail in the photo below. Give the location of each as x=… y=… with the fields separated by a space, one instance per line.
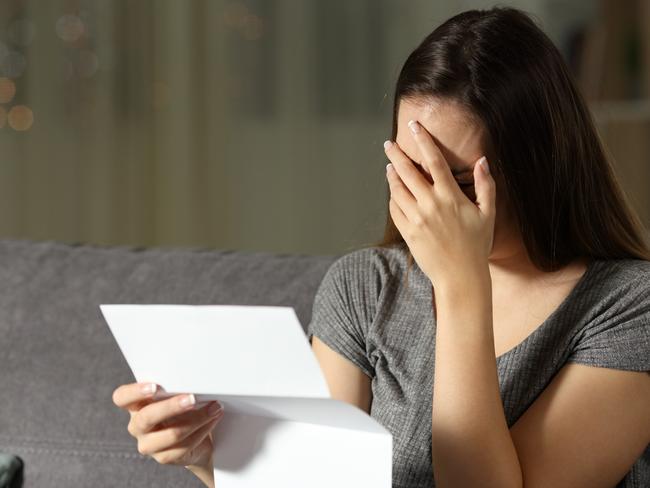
x=387 y=144
x=389 y=166
x=414 y=126
x=149 y=388
x=215 y=408
x=187 y=400
x=484 y=165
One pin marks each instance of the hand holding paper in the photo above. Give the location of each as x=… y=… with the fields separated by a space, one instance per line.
x=280 y=427
x=175 y=430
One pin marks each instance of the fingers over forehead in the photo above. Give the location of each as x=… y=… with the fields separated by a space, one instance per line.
x=431 y=154
x=407 y=171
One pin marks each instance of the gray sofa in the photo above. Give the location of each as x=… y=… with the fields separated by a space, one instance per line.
x=60 y=363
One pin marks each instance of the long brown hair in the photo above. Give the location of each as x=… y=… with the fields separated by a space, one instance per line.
x=501 y=68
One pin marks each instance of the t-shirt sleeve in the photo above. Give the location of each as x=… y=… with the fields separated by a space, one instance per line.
x=622 y=340
x=343 y=308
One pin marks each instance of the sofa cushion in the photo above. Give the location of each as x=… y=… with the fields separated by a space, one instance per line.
x=61 y=364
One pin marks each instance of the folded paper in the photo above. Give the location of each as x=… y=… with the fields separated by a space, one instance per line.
x=280 y=427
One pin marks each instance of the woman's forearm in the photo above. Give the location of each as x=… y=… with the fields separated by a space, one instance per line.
x=471 y=442
x=204 y=473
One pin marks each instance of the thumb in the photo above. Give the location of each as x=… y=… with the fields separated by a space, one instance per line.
x=485 y=187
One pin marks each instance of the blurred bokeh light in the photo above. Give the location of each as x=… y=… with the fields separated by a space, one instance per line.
x=7 y=90
x=70 y=28
x=20 y=118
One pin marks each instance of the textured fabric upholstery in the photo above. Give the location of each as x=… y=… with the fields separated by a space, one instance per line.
x=60 y=364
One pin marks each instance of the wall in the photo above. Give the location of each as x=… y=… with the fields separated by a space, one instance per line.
x=250 y=125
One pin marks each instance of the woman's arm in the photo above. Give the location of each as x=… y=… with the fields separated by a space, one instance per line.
x=345 y=380
x=471 y=442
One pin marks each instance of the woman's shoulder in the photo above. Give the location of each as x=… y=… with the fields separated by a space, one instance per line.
x=619 y=293
x=616 y=305
x=374 y=259
x=626 y=278
x=365 y=271
x=626 y=269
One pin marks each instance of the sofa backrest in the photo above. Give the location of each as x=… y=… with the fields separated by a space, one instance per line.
x=60 y=363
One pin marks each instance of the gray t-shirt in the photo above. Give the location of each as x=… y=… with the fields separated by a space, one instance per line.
x=363 y=310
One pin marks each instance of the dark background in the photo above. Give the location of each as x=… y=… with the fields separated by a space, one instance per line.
x=251 y=125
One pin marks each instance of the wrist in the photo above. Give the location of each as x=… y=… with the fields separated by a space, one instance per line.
x=463 y=283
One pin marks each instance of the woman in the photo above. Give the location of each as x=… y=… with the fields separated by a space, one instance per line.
x=516 y=351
